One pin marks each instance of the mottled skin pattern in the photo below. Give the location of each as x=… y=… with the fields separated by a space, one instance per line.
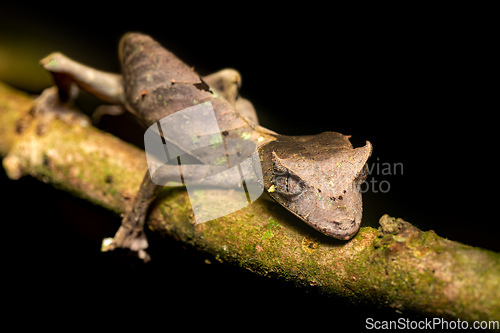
x=315 y=177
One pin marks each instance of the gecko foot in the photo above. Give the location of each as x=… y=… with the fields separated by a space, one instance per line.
x=127 y=237
x=48 y=106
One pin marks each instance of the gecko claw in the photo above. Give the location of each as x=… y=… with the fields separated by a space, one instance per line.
x=128 y=238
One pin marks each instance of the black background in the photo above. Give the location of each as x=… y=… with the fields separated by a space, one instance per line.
x=417 y=85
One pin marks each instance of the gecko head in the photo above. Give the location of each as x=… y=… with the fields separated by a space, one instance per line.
x=318 y=179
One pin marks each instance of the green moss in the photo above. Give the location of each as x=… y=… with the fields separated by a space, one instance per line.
x=272 y=224
x=267 y=234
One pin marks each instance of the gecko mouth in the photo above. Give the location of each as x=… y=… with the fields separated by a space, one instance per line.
x=344 y=228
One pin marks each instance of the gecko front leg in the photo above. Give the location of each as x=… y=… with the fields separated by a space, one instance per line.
x=131 y=234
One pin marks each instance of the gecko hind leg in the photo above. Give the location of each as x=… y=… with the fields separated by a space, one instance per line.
x=131 y=233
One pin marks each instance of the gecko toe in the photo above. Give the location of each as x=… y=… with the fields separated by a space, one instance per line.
x=127 y=238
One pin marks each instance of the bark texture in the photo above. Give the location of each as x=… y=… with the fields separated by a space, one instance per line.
x=397 y=265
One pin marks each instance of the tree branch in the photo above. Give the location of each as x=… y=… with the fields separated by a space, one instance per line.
x=397 y=265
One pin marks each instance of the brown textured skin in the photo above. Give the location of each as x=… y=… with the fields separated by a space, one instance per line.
x=157 y=84
x=317 y=178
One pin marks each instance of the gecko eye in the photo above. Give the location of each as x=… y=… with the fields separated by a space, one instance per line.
x=289 y=184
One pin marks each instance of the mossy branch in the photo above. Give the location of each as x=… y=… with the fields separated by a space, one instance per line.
x=397 y=266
